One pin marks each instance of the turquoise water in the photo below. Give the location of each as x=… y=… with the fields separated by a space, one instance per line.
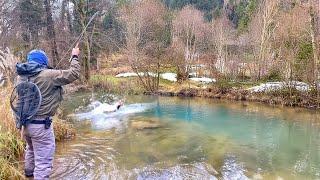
x=183 y=138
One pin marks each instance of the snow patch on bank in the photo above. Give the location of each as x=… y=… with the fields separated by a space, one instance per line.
x=131 y=74
x=204 y=80
x=124 y=75
x=167 y=76
x=276 y=86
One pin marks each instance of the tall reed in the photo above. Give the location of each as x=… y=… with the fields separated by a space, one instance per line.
x=11 y=145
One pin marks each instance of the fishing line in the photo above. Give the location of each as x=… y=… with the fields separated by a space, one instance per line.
x=78 y=39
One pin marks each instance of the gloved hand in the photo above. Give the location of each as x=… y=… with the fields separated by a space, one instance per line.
x=76 y=51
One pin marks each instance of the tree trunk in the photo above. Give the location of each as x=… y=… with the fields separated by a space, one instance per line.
x=313 y=34
x=51 y=34
x=86 y=39
x=269 y=13
x=63 y=14
x=69 y=19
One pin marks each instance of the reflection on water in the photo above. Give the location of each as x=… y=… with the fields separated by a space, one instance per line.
x=174 y=138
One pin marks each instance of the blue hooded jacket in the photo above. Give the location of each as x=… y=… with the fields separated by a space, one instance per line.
x=37 y=61
x=38 y=56
x=29 y=69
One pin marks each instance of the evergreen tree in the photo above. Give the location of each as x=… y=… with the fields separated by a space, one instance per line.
x=30 y=17
x=209 y=7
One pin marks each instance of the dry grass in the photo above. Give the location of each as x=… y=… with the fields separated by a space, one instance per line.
x=12 y=146
x=168 y=86
x=62 y=129
x=115 y=85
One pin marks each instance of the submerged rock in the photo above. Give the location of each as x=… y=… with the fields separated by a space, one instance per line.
x=231 y=170
x=146 y=124
x=184 y=171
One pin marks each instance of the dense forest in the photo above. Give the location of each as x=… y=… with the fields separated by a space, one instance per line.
x=233 y=39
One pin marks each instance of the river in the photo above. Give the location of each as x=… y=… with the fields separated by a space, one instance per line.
x=187 y=138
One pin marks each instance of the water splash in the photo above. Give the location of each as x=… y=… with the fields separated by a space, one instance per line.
x=102 y=118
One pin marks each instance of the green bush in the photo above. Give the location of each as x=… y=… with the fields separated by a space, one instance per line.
x=274 y=75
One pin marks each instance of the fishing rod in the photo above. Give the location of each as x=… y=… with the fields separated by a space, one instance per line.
x=76 y=42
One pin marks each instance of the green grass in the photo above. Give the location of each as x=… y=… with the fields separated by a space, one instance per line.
x=111 y=84
x=97 y=78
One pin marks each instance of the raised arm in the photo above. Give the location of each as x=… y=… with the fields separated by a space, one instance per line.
x=64 y=77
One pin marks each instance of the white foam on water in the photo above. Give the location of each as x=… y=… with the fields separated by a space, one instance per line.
x=102 y=118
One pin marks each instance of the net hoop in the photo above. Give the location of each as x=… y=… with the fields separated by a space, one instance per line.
x=34 y=101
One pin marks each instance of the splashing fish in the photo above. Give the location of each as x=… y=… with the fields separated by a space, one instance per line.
x=107 y=116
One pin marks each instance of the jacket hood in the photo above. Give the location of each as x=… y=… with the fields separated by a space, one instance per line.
x=29 y=69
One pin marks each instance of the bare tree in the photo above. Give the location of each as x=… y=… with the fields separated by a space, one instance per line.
x=314 y=34
x=144 y=24
x=220 y=34
x=268 y=12
x=188 y=34
x=51 y=33
x=7 y=22
x=290 y=34
x=7 y=63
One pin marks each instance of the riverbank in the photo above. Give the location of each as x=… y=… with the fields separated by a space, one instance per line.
x=283 y=98
x=219 y=90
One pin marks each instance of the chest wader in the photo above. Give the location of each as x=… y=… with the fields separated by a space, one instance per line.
x=25 y=102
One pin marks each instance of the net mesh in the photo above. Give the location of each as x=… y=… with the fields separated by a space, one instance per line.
x=25 y=100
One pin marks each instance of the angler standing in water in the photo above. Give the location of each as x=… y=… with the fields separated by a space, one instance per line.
x=39 y=89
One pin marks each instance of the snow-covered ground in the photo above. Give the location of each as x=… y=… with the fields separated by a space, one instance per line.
x=203 y=80
x=167 y=76
x=274 y=86
x=126 y=75
x=131 y=74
